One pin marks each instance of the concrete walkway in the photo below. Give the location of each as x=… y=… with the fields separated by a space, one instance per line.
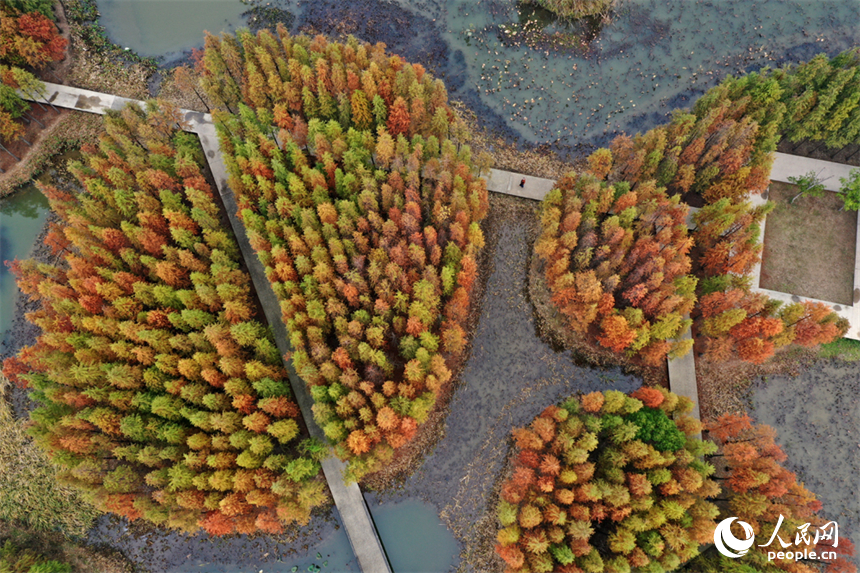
x=348 y=499
x=785 y=166
x=508 y=183
x=682 y=371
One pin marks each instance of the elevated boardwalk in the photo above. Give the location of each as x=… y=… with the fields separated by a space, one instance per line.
x=682 y=371
x=348 y=499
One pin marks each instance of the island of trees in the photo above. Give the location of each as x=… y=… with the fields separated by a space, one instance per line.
x=163 y=396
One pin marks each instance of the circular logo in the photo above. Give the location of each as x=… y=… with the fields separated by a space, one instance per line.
x=727 y=543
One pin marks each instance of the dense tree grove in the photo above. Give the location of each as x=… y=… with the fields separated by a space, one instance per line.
x=822 y=98
x=608 y=483
x=759 y=490
x=723 y=151
x=28 y=37
x=365 y=214
x=616 y=263
x=162 y=394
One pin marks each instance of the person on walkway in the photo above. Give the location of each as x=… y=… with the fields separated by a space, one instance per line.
x=523 y=182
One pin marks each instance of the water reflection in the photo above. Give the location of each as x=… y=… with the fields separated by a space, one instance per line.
x=22 y=217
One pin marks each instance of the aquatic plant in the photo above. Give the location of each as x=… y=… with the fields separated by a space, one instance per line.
x=30 y=494
x=574 y=9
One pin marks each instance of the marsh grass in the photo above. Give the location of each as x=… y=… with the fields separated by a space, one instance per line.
x=30 y=493
x=844 y=349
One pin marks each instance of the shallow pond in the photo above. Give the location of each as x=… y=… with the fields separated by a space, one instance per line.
x=22 y=217
x=323 y=544
x=167 y=27
x=528 y=74
x=817 y=418
x=554 y=82
x=414 y=537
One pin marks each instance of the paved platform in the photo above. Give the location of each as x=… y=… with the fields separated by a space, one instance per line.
x=829 y=173
x=348 y=499
x=508 y=182
x=785 y=166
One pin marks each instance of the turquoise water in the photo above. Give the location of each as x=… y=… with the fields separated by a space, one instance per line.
x=414 y=537
x=164 y=27
x=22 y=217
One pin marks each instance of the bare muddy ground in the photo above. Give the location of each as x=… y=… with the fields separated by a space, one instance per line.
x=817 y=418
x=511 y=376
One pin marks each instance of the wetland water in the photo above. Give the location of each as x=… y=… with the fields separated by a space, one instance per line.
x=167 y=27
x=414 y=537
x=817 y=418
x=22 y=217
x=530 y=76
x=527 y=74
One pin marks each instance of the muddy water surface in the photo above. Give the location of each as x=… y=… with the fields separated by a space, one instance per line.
x=817 y=417
x=511 y=376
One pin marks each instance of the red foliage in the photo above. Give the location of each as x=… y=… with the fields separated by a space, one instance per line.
x=651 y=397
x=592 y=402
x=12 y=367
x=245 y=403
x=528 y=458
x=616 y=334
x=398 y=118
x=729 y=426
x=512 y=555
x=216 y=523
x=279 y=407
x=268 y=521
x=122 y=504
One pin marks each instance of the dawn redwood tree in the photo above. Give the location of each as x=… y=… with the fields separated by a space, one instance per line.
x=821 y=98
x=723 y=150
x=616 y=262
x=607 y=482
x=162 y=394
x=758 y=489
x=366 y=217
x=28 y=38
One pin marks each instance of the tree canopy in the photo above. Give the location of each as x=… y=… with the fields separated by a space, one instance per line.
x=617 y=264
x=607 y=482
x=162 y=393
x=365 y=212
